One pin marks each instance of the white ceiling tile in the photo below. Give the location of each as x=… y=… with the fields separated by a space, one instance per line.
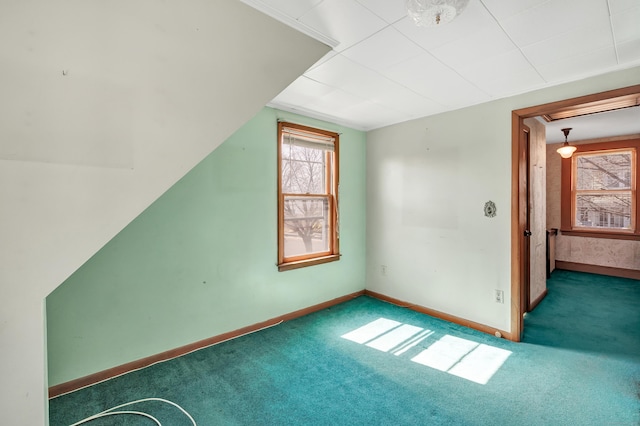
x=495 y=48
x=420 y=71
x=302 y=91
x=581 y=66
x=334 y=103
x=338 y=71
x=370 y=85
x=517 y=82
x=573 y=43
x=503 y=75
x=405 y=100
x=626 y=25
x=620 y=6
x=383 y=49
x=428 y=77
x=505 y=9
x=293 y=8
x=377 y=88
x=390 y=11
x=487 y=42
x=552 y=18
x=374 y=115
x=629 y=52
x=346 y=21
x=324 y=59
x=473 y=19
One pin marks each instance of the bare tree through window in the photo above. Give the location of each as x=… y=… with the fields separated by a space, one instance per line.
x=308 y=193
x=305 y=216
x=603 y=189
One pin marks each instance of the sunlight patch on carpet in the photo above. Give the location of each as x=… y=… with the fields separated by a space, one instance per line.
x=463 y=358
x=445 y=353
x=460 y=357
x=388 y=336
x=394 y=338
x=371 y=331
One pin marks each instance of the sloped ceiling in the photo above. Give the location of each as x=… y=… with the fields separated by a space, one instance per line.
x=104 y=105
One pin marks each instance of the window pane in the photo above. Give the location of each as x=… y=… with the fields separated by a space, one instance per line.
x=604 y=171
x=306 y=225
x=612 y=211
x=303 y=170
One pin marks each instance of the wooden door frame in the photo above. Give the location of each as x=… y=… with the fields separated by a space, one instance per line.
x=525 y=275
x=517 y=123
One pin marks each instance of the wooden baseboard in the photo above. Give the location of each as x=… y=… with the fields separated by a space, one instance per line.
x=601 y=270
x=535 y=303
x=110 y=373
x=441 y=315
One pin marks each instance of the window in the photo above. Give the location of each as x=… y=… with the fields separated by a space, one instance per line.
x=599 y=190
x=307 y=196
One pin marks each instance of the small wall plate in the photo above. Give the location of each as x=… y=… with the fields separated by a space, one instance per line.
x=490 y=209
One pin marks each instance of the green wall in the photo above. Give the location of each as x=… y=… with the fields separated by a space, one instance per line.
x=201 y=260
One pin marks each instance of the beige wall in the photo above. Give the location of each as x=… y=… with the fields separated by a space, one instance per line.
x=538 y=208
x=554 y=168
x=624 y=254
x=149 y=89
x=427 y=183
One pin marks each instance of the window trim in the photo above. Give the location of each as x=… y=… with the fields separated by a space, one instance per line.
x=333 y=254
x=567 y=194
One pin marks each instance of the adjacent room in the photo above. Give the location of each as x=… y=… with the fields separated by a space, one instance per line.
x=320 y=212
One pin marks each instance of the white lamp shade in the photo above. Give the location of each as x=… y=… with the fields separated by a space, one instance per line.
x=566 y=150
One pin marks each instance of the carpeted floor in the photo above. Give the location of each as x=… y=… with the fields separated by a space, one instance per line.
x=367 y=362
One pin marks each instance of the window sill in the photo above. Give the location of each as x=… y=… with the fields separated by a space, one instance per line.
x=308 y=262
x=602 y=234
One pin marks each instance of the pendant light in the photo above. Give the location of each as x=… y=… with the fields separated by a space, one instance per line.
x=566 y=150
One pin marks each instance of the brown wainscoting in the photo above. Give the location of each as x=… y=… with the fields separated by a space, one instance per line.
x=535 y=303
x=441 y=315
x=110 y=373
x=601 y=270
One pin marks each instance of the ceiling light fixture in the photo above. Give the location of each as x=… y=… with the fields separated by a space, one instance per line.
x=566 y=150
x=429 y=13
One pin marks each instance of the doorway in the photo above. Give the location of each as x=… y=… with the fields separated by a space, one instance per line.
x=520 y=258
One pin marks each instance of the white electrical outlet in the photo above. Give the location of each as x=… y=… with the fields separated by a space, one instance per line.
x=499 y=295
x=383 y=270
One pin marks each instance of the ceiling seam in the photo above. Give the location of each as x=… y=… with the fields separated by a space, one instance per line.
x=613 y=33
x=512 y=41
x=375 y=101
x=441 y=62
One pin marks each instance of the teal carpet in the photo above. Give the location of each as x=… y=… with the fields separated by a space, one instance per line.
x=579 y=364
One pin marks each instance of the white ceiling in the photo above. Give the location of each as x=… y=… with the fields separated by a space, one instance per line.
x=612 y=123
x=383 y=69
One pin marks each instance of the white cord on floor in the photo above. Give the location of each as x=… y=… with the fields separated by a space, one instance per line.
x=110 y=412
x=115 y=413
